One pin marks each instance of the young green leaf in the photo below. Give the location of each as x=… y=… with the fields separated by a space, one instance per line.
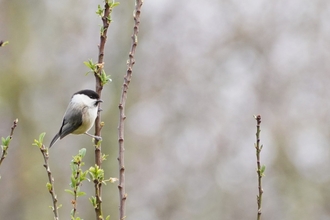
x=99 y=11
x=262 y=170
x=41 y=137
x=82 y=152
x=93 y=201
x=80 y=194
x=69 y=191
x=49 y=186
x=114 y=4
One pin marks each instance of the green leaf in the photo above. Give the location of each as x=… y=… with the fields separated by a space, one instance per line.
x=262 y=170
x=109 y=19
x=81 y=194
x=102 y=29
x=104 y=157
x=73 y=183
x=41 y=137
x=7 y=141
x=99 y=10
x=39 y=142
x=4 y=148
x=114 y=4
x=49 y=186
x=93 y=201
x=96 y=173
x=104 y=77
x=82 y=152
x=83 y=176
x=69 y=191
x=107 y=218
x=92 y=66
x=3 y=140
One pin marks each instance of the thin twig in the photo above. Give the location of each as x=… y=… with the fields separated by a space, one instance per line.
x=5 y=147
x=77 y=177
x=50 y=184
x=75 y=189
x=122 y=104
x=260 y=169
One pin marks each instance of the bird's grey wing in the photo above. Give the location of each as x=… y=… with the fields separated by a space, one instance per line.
x=71 y=121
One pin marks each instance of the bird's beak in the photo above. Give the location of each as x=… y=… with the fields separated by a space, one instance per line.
x=100 y=100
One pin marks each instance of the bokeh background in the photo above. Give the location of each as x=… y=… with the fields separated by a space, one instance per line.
x=203 y=69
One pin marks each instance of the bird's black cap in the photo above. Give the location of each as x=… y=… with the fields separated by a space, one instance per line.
x=90 y=93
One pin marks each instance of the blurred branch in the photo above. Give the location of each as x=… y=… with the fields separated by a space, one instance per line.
x=260 y=169
x=122 y=104
x=50 y=184
x=6 y=141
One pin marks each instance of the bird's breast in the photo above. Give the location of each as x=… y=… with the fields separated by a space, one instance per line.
x=88 y=119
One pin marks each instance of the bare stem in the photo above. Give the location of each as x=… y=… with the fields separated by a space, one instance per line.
x=122 y=104
x=6 y=146
x=260 y=169
x=50 y=184
x=99 y=86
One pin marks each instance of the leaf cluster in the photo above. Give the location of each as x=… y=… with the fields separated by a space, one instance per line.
x=39 y=142
x=98 y=70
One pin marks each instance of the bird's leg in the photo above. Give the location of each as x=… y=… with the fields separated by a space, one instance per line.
x=93 y=136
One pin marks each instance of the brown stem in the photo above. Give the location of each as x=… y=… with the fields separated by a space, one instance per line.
x=51 y=188
x=99 y=86
x=75 y=189
x=5 y=148
x=259 y=168
x=122 y=117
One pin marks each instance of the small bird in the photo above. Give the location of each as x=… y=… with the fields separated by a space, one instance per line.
x=80 y=115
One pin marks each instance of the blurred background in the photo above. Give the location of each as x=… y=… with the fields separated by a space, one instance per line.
x=203 y=69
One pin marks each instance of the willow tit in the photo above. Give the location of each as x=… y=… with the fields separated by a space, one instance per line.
x=80 y=115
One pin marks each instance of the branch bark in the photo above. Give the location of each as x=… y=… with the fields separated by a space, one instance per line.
x=122 y=104
x=260 y=169
x=6 y=146
x=99 y=87
x=50 y=184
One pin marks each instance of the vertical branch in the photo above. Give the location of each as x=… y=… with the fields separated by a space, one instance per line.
x=122 y=104
x=97 y=73
x=260 y=169
x=106 y=20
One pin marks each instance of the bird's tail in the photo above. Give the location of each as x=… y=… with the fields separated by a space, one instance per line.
x=55 y=139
